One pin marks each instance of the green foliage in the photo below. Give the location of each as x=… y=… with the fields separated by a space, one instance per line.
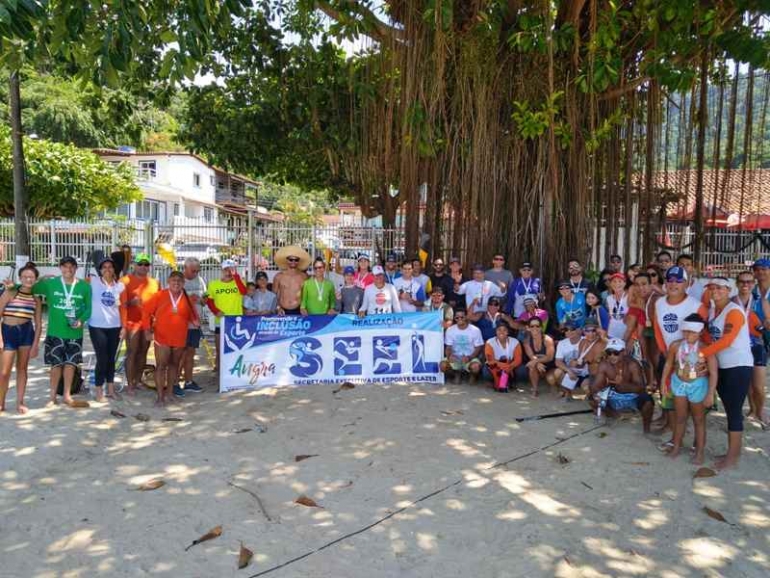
x=532 y=124
x=299 y=207
x=64 y=181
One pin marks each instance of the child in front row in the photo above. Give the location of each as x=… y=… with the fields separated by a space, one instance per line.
x=684 y=362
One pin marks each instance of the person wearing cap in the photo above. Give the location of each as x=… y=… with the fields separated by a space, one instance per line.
x=69 y=307
x=263 y=301
x=478 y=290
x=105 y=327
x=454 y=299
x=225 y=297
x=690 y=387
x=670 y=312
x=498 y=274
x=364 y=276
x=618 y=385
x=577 y=283
x=139 y=287
x=488 y=321
x=463 y=345
x=591 y=351
x=571 y=305
x=391 y=269
x=318 y=294
x=195 y=288
x=166 y=317
x=410 y=292
x=617 y=306
x=287 y=284
x=570 y=368
x=694 y=286
x=349 y=296
x=22 y=324
x=731 y=344
x=746 y=300
x=419 y=276
x=526 y=286
x=436 y=303
x=440 y=277
x=379 y=297
x=531 y=311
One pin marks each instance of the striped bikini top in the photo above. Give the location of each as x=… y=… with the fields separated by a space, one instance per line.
x=22 y=306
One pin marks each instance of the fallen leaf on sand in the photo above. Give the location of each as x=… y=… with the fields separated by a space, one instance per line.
x=142 y=417
x=172 y=419
x=243 y=430
x=305 y=501
x=244 y=557
x=562 y=459
x=302 y=457
x=640 y=463
x=346 y=385
x=714 y=514
x=705 y=473
x=210 y=535
x=79 y=403
x=116 y=413
x=452 y=412
x=151 y=485
x=602 y=434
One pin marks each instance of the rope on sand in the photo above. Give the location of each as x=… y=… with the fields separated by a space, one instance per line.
x=414 y=503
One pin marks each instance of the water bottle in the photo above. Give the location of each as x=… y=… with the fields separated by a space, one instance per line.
x=502 y=384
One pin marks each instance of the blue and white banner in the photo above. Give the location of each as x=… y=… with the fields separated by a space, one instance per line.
x=268 y=351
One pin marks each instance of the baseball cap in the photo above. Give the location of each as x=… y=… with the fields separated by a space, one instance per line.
x=142 y=257
x=478 y=267
x=261 y=275
x=391 y=258
x=569 y=326
x=676 y=273
x=763 y=263
x=719 y=282
x=437 y=289
x=68 y=260
x=228 y=263
x=349 y=270
x=378 y=270
x=618 y=275
x=615 y=344
x=563 y=285
x=526 y=265
x=103 y=261
x=530 y=300
x=455 y=260
x=363 y=256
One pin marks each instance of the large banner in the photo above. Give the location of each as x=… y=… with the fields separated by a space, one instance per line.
x=268 y=351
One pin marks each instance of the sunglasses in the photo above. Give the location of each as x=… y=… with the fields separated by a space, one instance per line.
x=613 y=352
x=438 y=264
x=526 y=269
x=459 y=318
x=746 y=281
x=319 y=267
x=293 y=260
x=494 y=305
x=144 y=264
x=534 y=326
x=589 y=330
x=498 y=259
x=651 y=274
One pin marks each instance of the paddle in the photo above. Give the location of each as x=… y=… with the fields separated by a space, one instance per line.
x=549 y=415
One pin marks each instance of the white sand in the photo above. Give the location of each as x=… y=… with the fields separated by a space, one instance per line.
x=618 y=508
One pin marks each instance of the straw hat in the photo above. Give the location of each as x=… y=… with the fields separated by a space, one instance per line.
x=292 y=251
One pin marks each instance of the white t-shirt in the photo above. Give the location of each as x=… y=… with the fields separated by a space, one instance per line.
x=411 y=288
x=567 y=351
x=378 y=301
x=105 y=303
x=480 y=290
x=500 y=351
x=463 y=341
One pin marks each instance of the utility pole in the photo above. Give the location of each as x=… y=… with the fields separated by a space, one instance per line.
x=20 y=199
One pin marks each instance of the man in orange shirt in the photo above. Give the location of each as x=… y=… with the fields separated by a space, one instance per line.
x=140 y=287
x=168 y=313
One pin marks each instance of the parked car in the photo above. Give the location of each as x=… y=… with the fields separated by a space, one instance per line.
x=204 y=252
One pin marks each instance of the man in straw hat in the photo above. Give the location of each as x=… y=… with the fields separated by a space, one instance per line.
x=287 y=284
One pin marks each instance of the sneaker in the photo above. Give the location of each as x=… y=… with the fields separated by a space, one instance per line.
x=178 y=391
x=192 y=387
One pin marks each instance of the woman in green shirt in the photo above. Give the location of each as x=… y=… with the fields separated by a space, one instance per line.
x=318 y=295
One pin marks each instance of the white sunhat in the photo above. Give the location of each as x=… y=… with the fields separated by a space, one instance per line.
x=228 y=264
x=615 y=344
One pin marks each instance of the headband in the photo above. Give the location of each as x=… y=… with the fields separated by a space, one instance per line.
x=695 y=326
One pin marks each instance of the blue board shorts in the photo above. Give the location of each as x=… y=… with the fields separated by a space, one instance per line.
x=623 y=401
x=16 y=336
x=695 y=391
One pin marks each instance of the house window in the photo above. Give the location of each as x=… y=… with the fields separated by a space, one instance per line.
x=197 y=180
x=176 y=209
x=147 y=169
x=208 y=214
x=150 y=211
x=212 y=180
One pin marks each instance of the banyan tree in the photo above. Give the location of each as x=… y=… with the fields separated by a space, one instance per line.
x=538 y=127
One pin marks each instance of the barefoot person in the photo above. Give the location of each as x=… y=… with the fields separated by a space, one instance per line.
x=745 y=299
x=168 y=314
x=463 y=343
x=69 y=307
x=761 y=294
x=287 y=284
x=690 y=388
x=503 y=356
x=22 y=316
x=225 y=297
x=619 y=385
x=540 y=351
x=105 y=326
x=729 y=330
x=139 y=287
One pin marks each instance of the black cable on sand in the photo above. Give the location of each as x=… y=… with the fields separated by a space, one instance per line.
x=414 y=503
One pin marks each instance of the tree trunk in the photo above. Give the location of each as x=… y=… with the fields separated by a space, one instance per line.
x=702 y=122
x=20 y=199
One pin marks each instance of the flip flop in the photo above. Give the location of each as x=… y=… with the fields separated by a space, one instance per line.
x=665 y=446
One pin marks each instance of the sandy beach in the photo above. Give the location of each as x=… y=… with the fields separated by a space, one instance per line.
x=465 y=490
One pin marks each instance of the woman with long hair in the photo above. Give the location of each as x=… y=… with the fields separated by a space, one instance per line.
x=21 y=313
x=105 y=326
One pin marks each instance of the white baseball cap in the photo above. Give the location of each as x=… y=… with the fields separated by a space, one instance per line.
x=228 y=263
x=615 y=344
x=377 y=270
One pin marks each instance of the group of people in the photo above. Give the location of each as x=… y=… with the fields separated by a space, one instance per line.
x=646 y=329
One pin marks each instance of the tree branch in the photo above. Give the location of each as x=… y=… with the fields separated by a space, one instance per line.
x=375 y=28
x=569 y=13
x=620 y=91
